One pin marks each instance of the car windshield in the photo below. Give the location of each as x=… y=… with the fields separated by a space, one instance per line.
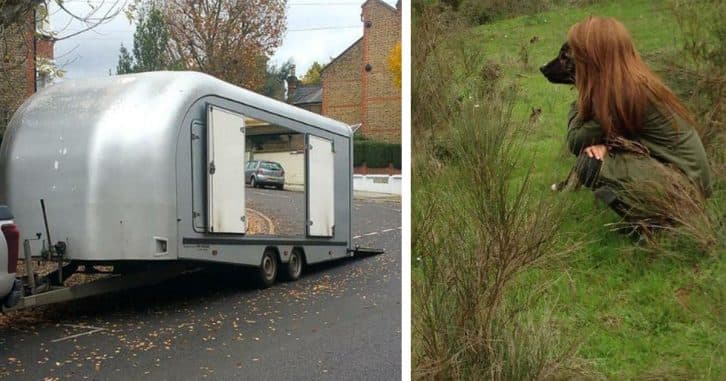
x=272 y=166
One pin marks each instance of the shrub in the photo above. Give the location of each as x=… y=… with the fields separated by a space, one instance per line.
x=376 y=154
x=697 y=71
x=476 y=227
x=669 y=211
x=476 y=223
x=433 y=97
x=484 y=11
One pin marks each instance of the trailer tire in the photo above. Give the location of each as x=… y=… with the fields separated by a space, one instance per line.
x=294 y=267
x=267 y=272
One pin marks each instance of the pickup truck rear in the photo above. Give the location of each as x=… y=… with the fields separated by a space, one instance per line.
x=10 y=286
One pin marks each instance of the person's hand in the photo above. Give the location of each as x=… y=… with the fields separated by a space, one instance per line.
x=598 y=151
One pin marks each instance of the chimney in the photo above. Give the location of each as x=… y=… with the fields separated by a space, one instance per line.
x=291 y=83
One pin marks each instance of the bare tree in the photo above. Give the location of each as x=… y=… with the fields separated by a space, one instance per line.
x=23 y=21
x=229 y=39
x=36 y=11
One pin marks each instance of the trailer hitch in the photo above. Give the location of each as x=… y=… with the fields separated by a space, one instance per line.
x=62 y=273
x=56 y=251
x=365 y=251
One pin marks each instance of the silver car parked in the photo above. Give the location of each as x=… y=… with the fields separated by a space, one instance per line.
x=260 y=173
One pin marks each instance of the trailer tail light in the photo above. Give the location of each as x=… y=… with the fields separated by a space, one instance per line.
x=12 y=237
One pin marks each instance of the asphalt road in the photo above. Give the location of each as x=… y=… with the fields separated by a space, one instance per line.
x=340 y=321
x=285 y=208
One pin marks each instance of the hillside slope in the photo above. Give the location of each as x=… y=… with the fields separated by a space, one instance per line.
x=637 y=314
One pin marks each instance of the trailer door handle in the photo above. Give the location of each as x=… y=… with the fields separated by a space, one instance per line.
x=212 y=168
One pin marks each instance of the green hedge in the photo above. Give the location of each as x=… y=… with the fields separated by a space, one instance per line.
x=376 y=154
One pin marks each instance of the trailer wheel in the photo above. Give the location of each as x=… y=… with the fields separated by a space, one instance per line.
x=294 y=267
x=268 y=269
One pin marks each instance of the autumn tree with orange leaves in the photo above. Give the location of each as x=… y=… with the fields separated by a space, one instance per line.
x=394 y=64
x=229 y=39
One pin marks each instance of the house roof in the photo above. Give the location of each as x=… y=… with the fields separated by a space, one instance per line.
x=389 y=6
x=307 y=94
x=341 y=54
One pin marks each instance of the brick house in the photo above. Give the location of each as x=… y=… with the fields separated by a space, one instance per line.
x=358 y=86
x=21 y=50
x=308 y=97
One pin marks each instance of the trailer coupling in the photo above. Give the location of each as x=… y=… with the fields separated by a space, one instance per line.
x=365 y=251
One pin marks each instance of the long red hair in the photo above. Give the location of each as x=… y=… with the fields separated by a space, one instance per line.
x=614 y=84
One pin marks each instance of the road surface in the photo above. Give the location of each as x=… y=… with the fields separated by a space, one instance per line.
x=340 y=321
x=283 y=208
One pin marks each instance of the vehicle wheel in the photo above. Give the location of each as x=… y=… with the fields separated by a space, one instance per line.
x=279 y=187
x=268 y=269
x=253 y=182
x=294 y=267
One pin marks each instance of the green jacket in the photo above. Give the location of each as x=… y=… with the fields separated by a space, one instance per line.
x=669 y=140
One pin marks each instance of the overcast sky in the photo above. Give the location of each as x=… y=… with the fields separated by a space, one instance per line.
x=317 y=30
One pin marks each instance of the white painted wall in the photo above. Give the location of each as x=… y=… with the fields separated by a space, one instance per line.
x=377 y=183
x=292 y=162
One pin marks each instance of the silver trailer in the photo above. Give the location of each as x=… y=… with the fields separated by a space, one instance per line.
x=149 y=167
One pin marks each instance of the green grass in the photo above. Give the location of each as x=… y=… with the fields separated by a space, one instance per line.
x=636 y=314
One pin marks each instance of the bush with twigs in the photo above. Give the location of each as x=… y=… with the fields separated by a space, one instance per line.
x=669 y=212
x=476 y=225
x=696 y=70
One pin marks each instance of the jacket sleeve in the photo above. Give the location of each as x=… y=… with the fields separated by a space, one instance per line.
x=581 y=135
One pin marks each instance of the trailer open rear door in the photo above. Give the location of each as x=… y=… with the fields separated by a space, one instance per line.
x=225 y=172
x=321 y=192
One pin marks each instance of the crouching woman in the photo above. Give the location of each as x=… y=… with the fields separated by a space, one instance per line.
x=630 y=132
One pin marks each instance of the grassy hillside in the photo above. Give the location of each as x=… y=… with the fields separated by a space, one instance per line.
x=634 y=314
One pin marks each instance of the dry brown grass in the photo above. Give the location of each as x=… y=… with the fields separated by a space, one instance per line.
x=697 y=71
x=670 y=211
x=476 y=227
x=473 y=238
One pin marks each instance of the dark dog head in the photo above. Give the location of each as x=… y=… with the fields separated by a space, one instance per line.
x=562 y=68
